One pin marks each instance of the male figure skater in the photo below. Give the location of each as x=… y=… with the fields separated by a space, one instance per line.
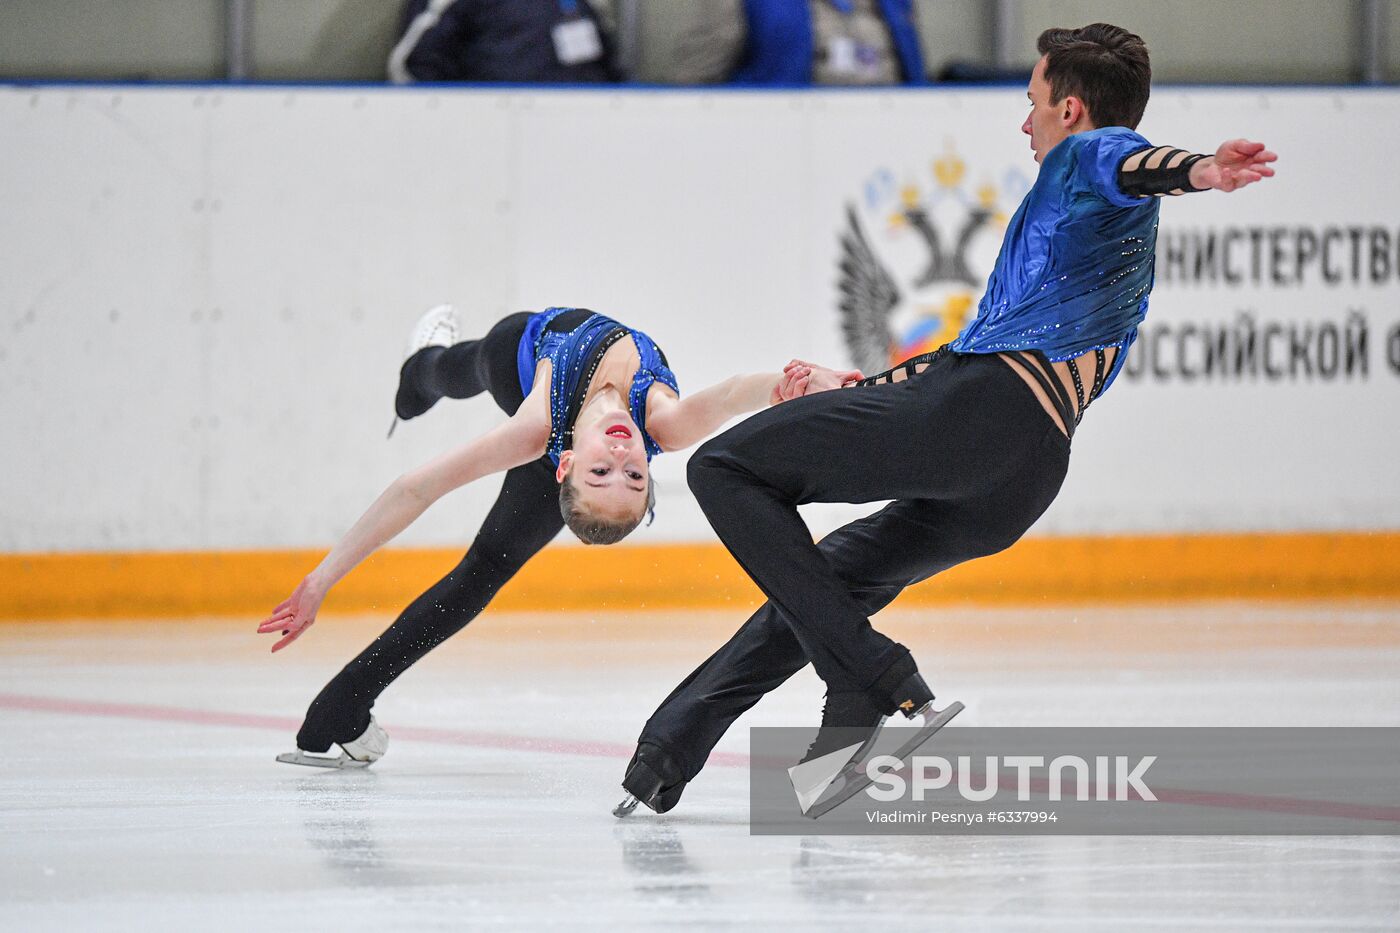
x=971 y=442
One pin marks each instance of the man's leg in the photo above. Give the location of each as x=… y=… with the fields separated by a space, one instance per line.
x=1001 y=466
x=875 y=557
x=917 y=439
x=523 y=520
x=756 y=660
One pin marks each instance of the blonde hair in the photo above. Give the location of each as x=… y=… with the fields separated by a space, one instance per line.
x=595 y=529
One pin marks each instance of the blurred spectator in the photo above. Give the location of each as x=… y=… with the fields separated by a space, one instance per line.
x=670 y=42
x=850 y=42
x=524 y=41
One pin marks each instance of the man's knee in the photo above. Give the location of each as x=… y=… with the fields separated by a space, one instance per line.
x=709 y=466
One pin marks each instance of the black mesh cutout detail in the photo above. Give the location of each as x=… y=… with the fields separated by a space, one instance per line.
x=1078 y=388
x=1158 y=171
x=1100 y=371
x=1040 y=369
x=906 y=370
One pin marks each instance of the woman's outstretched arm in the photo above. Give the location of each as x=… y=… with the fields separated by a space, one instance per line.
x=678 y=423
x=516 y=442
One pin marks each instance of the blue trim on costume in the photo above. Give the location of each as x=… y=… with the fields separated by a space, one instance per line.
x=651 y=371
x=568 y=353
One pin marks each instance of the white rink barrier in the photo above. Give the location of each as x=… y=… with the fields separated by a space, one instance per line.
x=206 y=290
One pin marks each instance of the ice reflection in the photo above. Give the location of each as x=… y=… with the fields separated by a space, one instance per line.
x=654 y=854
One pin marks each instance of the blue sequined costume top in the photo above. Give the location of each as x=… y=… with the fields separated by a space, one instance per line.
x=1076 y=264
x=573 y=356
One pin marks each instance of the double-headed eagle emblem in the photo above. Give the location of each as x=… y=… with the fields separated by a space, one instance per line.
x=881 y=324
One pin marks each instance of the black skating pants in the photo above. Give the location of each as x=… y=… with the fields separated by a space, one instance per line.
x=970 y=459
x=524 y=518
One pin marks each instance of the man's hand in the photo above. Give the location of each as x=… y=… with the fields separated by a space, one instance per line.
x=1235 y=164
x=294 y=615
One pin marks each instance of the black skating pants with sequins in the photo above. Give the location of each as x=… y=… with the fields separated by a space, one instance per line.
x=524 y=518
x=970 y=459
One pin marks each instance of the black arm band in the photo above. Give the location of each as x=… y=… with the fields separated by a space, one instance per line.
x=910 y=368
x=1158 y=171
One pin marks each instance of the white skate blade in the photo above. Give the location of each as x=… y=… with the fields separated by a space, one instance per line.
x=854 y=779
x=629 y=803
x=300 y=757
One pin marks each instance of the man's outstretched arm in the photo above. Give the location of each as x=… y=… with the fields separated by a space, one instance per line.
x=1163 y=170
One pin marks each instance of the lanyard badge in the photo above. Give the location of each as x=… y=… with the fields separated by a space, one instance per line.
x=576 y=39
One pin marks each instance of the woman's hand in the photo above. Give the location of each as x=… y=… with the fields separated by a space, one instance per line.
x=791 y=384
x=295 y=614
x=803 y=378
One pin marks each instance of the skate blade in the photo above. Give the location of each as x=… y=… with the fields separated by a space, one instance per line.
x=344 y=761
x=629 y=803
x=393 y=424
x=854 y=779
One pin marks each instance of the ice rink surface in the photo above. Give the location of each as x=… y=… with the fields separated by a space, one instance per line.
x=138 y=789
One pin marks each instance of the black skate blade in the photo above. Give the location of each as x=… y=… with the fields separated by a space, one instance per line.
x=643 y=783
x=624 y=809
x=342 y=762
x=393 y=424
x=853 y=779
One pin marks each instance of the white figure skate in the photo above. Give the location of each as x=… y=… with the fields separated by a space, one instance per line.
x=436 y=328
x=360 y=752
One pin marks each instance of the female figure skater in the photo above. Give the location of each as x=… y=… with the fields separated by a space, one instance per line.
x=590 y=402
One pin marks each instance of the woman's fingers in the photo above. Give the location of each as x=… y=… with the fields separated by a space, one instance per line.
x=286 y=641
x=291 y=633
x=275 y=620
x=278 y=624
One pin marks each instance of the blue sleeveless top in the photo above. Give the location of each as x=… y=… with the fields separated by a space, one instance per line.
x=1076 y=264
x=572 y=356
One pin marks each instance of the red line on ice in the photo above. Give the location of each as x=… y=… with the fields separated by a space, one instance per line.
x=148 y=713
x=200 y=717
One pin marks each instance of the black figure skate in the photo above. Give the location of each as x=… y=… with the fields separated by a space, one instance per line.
x=833 y=770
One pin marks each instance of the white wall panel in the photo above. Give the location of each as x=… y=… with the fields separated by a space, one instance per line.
x=205 y=291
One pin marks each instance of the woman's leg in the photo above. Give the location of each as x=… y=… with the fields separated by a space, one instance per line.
x=463 y=370
x=524 y=519
x=964 y=431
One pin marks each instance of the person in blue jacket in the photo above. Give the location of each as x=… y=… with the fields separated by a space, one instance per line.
x=795 y=42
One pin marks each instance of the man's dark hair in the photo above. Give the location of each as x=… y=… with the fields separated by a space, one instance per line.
x=1104 y=66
